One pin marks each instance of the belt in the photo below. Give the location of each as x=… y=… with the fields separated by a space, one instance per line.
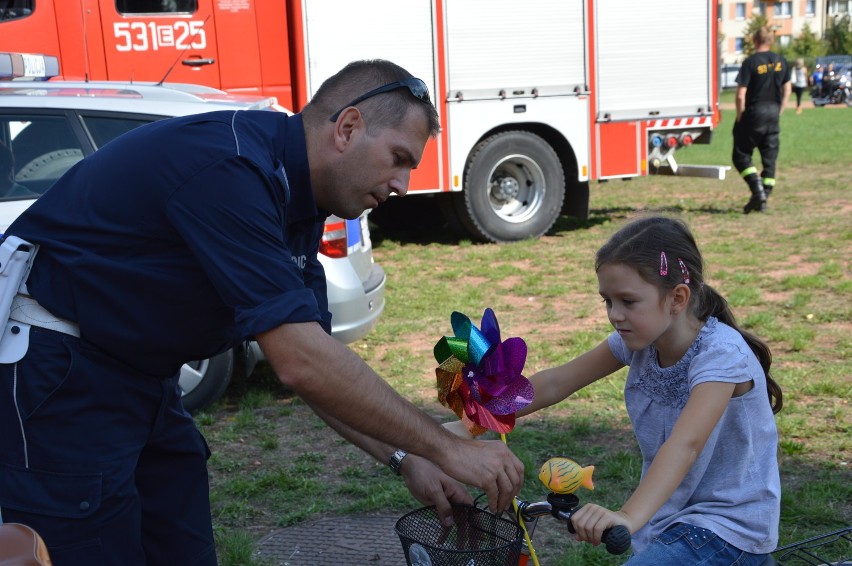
x=25 y=309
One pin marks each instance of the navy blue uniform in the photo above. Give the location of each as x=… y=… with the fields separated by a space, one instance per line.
x=167 y=245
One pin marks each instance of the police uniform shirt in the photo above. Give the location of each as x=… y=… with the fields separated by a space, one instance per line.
x=181 y=237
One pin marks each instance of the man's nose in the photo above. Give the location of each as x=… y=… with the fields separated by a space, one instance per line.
x=399 y=184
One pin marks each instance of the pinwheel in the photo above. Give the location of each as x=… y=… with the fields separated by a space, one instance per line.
x=479 y=377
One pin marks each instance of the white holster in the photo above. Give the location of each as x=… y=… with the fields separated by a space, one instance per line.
x=16 y=260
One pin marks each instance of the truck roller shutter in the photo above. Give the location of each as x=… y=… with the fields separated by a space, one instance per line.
x=653 y=58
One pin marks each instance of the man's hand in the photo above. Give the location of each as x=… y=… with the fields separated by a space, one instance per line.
x=488 y=465
x=430 y=486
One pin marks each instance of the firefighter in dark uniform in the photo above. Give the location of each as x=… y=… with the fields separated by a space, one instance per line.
x=762 y=93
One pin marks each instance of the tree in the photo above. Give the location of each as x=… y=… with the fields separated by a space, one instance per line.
x=838 y=36
x=807 y=46
x=756 y=22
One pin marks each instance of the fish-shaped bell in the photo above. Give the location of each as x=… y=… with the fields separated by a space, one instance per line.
x=563 y=475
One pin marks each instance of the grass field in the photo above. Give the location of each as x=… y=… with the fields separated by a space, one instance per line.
x=785 y=273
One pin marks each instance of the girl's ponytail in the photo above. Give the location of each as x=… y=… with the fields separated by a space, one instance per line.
x=711 y=303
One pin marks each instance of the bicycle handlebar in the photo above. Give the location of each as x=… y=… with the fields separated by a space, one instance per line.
x=562 y=507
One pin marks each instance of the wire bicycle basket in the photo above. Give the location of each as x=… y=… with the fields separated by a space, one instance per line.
x=477 y=538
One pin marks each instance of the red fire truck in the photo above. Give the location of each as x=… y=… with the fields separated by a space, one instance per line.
x=536 y=98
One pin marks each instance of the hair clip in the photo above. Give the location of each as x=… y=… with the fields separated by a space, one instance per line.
x=664 y=264
x=684 y=271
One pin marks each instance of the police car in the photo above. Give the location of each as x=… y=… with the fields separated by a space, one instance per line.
x=46 y=126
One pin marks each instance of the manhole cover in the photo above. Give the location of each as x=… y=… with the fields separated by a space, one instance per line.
x=336 y=541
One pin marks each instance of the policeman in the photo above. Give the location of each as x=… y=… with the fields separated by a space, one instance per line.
x=763 y=88
x=172 y=243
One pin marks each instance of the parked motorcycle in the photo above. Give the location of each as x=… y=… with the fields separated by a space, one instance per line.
x=835 y=89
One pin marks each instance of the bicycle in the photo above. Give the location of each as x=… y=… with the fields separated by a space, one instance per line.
x=828 y=549
x=481 y=538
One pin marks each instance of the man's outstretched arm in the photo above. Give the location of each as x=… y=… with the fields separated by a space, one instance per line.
x=426 y=482
x=337 y=383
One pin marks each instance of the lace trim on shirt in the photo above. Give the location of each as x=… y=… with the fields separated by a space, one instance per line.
x=670 y=386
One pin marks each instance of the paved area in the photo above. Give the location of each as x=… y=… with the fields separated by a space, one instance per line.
x=336 y=541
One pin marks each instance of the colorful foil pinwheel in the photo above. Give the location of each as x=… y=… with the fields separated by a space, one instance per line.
x=479 y=377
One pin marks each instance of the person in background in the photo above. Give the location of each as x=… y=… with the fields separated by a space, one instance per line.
x=171 y=243
x=800 y=82
x=763 y=89
x=816 y=80
x=829 y=80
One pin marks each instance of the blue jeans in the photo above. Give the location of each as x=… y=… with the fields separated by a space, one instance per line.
x=688 y=545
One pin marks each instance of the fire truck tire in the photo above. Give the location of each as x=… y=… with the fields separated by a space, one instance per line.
x=204 y=381
x=513 y=188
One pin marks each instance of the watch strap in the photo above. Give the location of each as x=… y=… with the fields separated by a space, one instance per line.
x=396 y=460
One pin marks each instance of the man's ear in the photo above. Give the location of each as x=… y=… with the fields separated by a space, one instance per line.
x=680 y=297
x=347 y=124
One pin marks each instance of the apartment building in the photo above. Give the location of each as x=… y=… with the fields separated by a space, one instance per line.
x=787 y=18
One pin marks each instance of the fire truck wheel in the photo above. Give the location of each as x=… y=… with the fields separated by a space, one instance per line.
x=204 y=381
x=513 y=188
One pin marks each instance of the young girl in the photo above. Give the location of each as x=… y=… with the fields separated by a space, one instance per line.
x=700 y=399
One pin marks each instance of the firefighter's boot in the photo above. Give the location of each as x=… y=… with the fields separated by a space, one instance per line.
x=757 y=202
x=768 y=185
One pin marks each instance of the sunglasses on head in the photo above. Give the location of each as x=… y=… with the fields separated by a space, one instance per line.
x=415 y=86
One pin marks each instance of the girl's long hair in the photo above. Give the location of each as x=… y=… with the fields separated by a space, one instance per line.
x=656 y=246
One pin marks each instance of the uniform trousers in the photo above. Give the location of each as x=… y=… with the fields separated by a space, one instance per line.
x=759 y=129
x=104 y=463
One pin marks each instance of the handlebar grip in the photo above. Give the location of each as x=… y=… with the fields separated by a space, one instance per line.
x=616 y=539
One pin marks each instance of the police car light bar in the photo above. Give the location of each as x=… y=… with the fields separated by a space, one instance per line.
x=28 y=66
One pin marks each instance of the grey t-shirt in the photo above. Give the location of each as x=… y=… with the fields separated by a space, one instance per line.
x=733 y=488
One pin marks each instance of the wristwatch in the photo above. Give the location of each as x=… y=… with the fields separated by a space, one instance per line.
x=396 y=460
